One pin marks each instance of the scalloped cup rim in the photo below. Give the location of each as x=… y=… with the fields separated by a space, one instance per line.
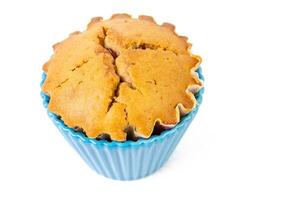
x=140 y=141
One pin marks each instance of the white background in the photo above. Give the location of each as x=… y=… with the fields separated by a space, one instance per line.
x=243 y=144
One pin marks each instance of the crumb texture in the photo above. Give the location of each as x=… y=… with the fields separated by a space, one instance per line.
x=120 y=75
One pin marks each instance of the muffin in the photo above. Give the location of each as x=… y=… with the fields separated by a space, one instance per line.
x=122 y=93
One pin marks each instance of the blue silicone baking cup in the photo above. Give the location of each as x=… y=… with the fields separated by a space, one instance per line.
x=127 y=160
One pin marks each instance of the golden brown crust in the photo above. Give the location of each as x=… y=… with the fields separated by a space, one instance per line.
x=83 y=100
x=168 y=26
x=122 y=73
x=71 y=54
x=123 y=33
x=120 y=15
x=94 y=21
x=147 y=18
x=158 y=89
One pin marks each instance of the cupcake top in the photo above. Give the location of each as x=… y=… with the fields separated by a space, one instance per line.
x=122 y=76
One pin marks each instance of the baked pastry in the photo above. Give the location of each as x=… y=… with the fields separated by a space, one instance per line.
x=121 y=76
x=123 y=79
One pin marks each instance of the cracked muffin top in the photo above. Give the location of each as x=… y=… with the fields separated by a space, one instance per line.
x=121 y=77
